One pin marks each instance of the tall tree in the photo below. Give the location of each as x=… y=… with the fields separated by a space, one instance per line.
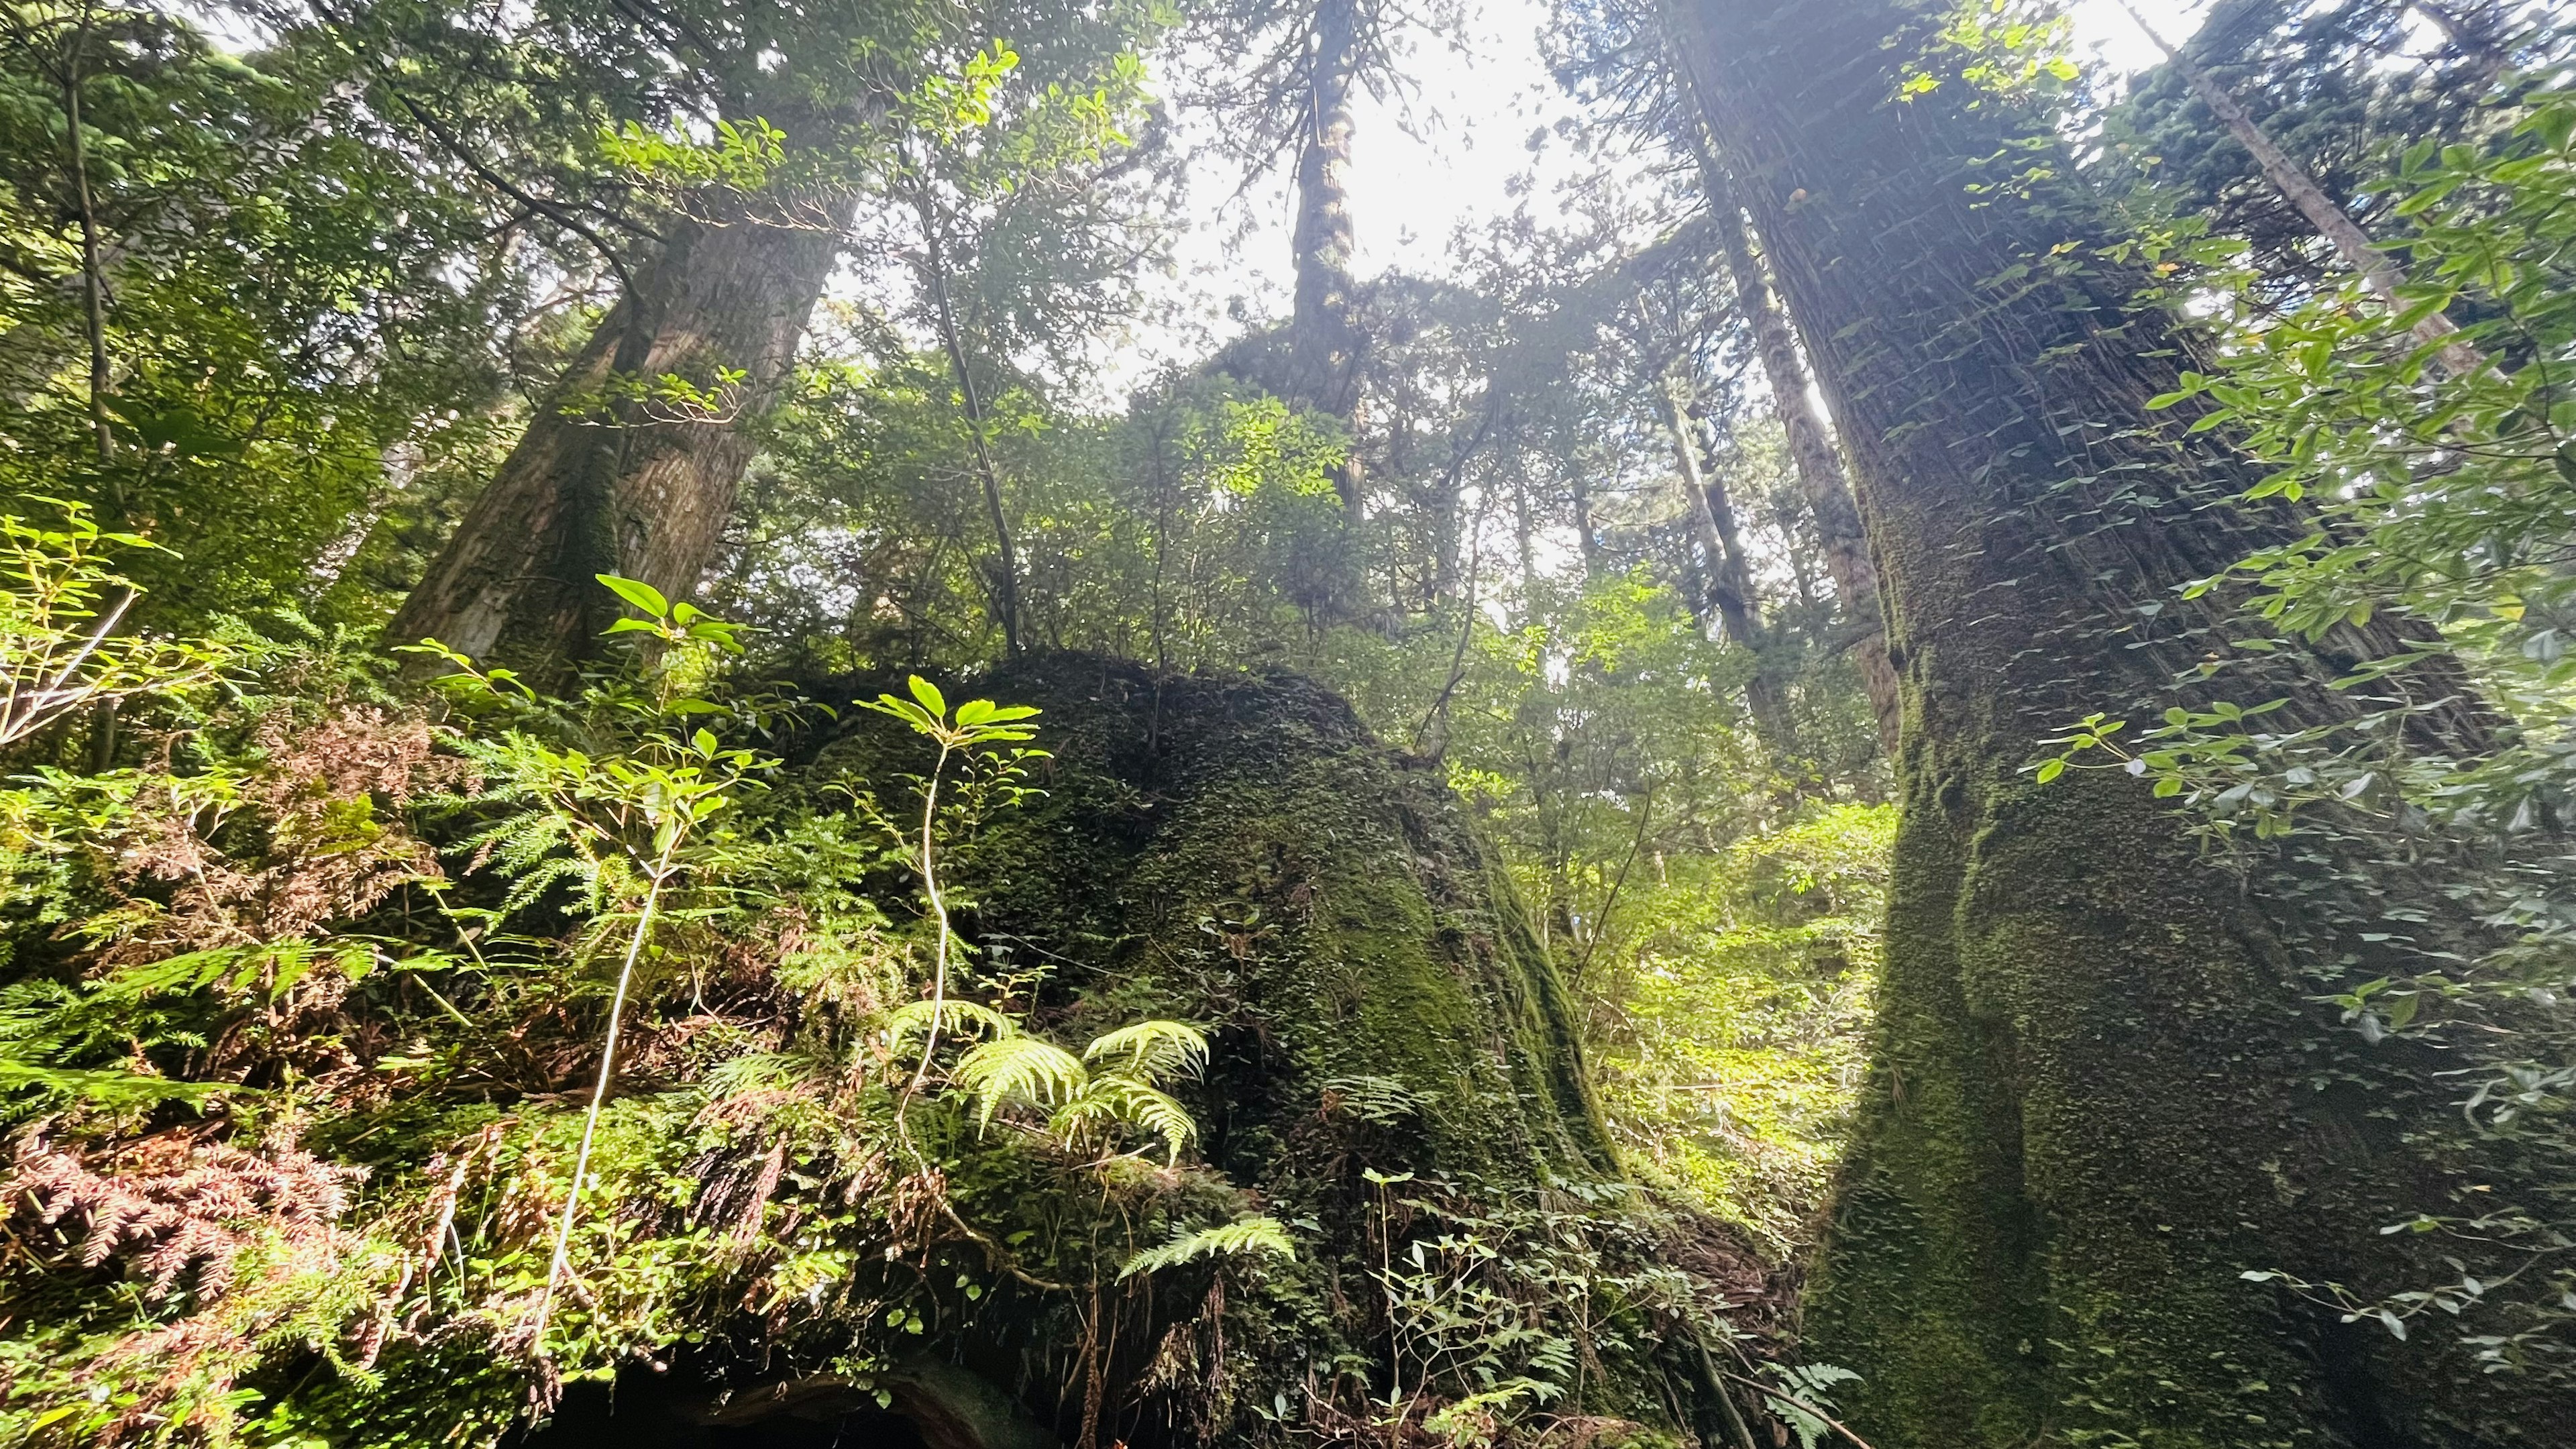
x=1730 y=576
x=1324 y=335
x=633 y=463
x=2040 y=1236
x=1811 y=449
x=1307 y=63
x=2330 y=85
x=2351 y=244
x=606 y=481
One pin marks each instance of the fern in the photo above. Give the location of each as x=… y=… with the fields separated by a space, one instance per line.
x=1010 y=1065
x=1124 y=1100
x=1022 y=1067
x=918 y=1017
x=1153 y=1050
x=1239 y=1238
x=1383 y=1101
x=1804 y=1396
x=1457 y=1423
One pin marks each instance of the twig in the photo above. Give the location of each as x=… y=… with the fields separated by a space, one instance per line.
x=1801 y=1405
x=598 y=1094
x=1006 y=592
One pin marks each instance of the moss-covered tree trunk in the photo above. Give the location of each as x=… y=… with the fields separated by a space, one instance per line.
x=1386 y=1025
x=613 y=476
x=2101 y=1090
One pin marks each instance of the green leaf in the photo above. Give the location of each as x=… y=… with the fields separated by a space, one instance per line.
x=2552 y=125
x=903 y=709
x=2050 y=770
x=930 y=697
x=642 y=595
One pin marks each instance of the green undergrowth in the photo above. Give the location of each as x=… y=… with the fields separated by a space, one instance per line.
x=1176 y=1058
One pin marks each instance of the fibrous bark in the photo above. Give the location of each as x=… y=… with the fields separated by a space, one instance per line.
x=606 y=481
x=2102 y=1091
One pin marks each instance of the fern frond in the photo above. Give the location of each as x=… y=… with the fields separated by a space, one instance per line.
x=1241 y=1237
x=755 y=1072
x=955 y=1018
x=1019 y=1066
x=112 y=1089
x=1152 y=1051
x=1112 y=1098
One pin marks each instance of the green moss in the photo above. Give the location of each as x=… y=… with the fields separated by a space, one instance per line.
x=2099 y=1098
x=1241 y=853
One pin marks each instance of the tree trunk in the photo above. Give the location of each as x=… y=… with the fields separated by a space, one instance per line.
x=1587 y=540
x=2481 y=35
x=2297 y=187
x=2101 y=1090
x=1380 y=1002
x=632 y=486
x=1730 y=579
x=1811 y=449
x=1005 y=573
x=1323 y=335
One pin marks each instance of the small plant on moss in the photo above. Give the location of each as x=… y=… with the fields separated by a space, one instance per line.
x=1118 y=1080
x=977 y=725
x=633 y=816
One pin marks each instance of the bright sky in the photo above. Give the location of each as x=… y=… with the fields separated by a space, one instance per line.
x=1444 y=157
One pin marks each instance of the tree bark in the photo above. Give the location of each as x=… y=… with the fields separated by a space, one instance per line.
x=2094 y=1101
x=2378 y=272
x=1811 y=450
x=629 y=487
x=1324 y=337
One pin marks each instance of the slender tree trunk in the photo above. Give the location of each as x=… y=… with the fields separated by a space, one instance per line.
x=93 y=268
x=1730 y=576
x=631 y=487
x=1005 y=572
x=1525 y=541
x=1323 y=332
x=2378 y=271
x=103 y=715
x=2479 y=37
x=2098 y=1092
x=1587 y=542
x=1811 y=451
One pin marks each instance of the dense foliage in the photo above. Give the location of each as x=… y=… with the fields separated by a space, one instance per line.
x=1336 y=895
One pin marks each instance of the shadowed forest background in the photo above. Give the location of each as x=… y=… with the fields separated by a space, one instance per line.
x=697 y=753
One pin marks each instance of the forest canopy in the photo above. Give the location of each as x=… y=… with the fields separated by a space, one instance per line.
x=700 y=749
